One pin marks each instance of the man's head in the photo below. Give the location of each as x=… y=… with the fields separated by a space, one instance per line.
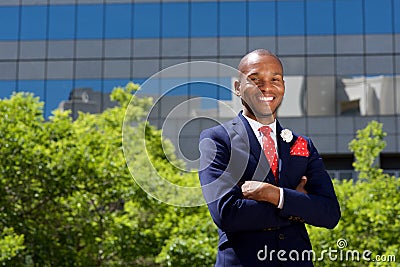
x=261 y=86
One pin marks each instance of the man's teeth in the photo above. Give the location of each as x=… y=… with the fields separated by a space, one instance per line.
x=266 y=98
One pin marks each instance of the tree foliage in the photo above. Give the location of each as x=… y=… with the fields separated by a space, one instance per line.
x=366 y=148
x=10 y=244
x=370 y=209
x=67 y=197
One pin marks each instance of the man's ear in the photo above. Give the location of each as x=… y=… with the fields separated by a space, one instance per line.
x=237 y=88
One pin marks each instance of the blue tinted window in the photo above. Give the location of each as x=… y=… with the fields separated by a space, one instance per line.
x=349 y=18
x=7 y=88
x=204 y=89
x=225 y=91
x=378 y=16
x=290 y=18
x=175 y=20
x=232 y=19
x=93 y=84
x=181 y=90
x=57 y=91
x=319 y=17
x=33 y=22
x=169 y=86
x=61 y=22
x=9 y=22
x=33 y=86
x=216 y=88
x=146 y=21
x=118 y=21
x=397 y=16
x=206 y=103
x=204 y=20
x=90 y=21
x=262 y=19
x=139 y=80
x=109 y=85
x=150 y=86
x=210 y=92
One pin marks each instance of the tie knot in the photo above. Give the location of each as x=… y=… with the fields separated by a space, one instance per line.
x=265 y=130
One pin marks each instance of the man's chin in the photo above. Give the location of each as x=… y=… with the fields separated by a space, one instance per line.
x=264 y=116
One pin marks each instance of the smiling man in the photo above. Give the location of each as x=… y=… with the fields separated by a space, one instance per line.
x=263 y=183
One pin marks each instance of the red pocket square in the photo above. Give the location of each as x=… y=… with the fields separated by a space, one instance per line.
x=300 y=148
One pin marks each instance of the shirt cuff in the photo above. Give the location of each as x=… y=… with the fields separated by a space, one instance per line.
x=280 y=204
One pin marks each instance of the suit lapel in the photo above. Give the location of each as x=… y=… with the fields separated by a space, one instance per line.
x=242 y=128
x=283 y=151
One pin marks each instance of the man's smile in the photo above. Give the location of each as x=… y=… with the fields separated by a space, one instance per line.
x=266 y=99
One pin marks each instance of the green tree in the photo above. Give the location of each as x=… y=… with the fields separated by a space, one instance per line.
x=192 y=241
x=70 y=199
x=370 y=209
x=10 y=244
x=366 y=148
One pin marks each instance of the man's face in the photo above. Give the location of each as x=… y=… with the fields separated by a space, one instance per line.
x=261 y=86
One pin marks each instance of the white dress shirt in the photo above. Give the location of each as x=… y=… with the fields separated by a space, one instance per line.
x=255 y=125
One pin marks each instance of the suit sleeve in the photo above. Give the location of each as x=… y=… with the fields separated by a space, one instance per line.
x=320 y=206
x=229 y=210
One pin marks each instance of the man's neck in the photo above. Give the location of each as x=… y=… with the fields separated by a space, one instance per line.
x=261 y=123
x=265 y=120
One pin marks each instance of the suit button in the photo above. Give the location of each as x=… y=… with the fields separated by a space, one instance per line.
x=281 y=236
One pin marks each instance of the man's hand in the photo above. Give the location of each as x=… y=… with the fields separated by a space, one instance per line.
x=300 y=186
x=261 y=191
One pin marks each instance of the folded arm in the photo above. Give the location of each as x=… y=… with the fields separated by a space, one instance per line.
x=229 y=209
x=313 y=201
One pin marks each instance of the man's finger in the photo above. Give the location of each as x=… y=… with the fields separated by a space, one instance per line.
x=300 y=186
x=303 y=180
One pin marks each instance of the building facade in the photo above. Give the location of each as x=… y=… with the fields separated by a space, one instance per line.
x=341 y=60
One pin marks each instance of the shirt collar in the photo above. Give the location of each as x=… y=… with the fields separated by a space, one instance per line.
x=255 y=125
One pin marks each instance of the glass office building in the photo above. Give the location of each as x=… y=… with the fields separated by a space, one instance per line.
x=341 y=60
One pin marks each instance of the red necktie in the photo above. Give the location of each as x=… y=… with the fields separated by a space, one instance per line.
x=269 y=150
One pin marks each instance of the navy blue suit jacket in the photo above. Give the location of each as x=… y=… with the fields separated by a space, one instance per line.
x=252 y=232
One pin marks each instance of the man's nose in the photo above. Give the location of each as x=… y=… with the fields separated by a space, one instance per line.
x=264 y=86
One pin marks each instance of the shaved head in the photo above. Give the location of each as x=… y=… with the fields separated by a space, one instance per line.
x=258 y=52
